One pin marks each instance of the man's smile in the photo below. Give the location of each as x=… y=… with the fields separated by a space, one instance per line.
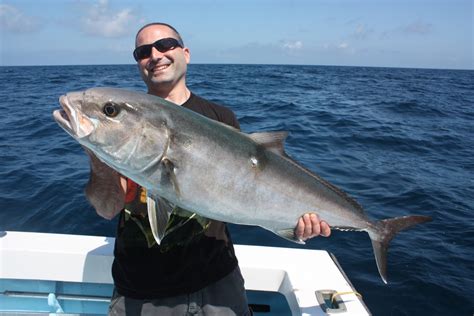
x=160 y=67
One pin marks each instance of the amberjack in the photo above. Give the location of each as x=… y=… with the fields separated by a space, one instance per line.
x=211 y=169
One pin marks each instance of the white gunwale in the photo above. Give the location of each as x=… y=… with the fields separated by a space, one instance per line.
x=295 y=273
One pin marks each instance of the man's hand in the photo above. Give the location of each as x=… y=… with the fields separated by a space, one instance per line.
x=106 y=188
x=309 y=226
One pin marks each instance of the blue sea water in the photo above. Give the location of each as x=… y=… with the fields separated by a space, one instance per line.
x=400 y=141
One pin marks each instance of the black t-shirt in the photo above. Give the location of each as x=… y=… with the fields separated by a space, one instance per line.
x=144 y=270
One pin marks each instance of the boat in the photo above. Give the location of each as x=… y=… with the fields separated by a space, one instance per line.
x=45 y=273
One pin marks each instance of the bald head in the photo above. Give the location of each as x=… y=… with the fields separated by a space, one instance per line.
x=160 y=24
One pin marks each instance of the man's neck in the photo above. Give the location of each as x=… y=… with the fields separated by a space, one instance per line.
x=178 y=95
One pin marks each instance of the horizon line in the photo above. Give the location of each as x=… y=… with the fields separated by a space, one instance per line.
x=248 y=64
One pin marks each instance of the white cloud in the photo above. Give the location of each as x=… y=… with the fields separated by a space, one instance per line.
x=361 y=32
x=292 y=46
x=13 y=20
x=338 y=48
x=101 y=20
x=360 y=29
x=343 y=45
x=418 y=27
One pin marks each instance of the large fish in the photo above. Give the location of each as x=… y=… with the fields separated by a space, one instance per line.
x=212 y=169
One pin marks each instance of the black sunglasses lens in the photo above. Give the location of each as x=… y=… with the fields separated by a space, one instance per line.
x=165 y=44
x=142 y=52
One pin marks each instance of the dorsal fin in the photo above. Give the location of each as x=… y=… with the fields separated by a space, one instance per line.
x=273 y=141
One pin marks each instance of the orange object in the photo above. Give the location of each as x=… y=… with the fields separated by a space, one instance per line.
x=132 y=189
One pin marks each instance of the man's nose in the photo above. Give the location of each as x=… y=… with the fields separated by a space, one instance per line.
x=156 y=54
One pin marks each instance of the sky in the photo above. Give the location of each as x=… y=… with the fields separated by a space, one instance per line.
x=380 y=33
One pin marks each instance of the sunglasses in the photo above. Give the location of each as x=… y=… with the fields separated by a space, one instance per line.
x=163 y=45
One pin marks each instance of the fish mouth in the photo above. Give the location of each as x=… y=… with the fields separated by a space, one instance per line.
x=70 y=118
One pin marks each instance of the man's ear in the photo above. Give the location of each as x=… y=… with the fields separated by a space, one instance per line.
x=187 y=54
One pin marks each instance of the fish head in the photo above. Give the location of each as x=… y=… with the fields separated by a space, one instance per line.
x=115 y=125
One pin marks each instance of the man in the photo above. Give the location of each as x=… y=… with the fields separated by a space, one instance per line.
x=194 y=270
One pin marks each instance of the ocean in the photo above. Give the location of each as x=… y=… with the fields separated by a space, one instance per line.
x=400 y=141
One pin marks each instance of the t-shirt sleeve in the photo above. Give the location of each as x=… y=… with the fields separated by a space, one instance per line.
x=232 y=120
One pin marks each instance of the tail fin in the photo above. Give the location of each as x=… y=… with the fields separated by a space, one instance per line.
x=384 y=232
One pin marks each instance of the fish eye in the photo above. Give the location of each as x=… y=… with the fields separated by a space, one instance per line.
x=111 y=109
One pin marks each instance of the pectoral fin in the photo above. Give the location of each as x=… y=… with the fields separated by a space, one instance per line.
x=168 y=176
x=289 y=234
x=158 y=217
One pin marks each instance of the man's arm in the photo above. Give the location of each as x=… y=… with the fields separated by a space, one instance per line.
x=106 y=188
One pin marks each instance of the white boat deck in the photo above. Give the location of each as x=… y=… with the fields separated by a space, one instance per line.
x=295 y=273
